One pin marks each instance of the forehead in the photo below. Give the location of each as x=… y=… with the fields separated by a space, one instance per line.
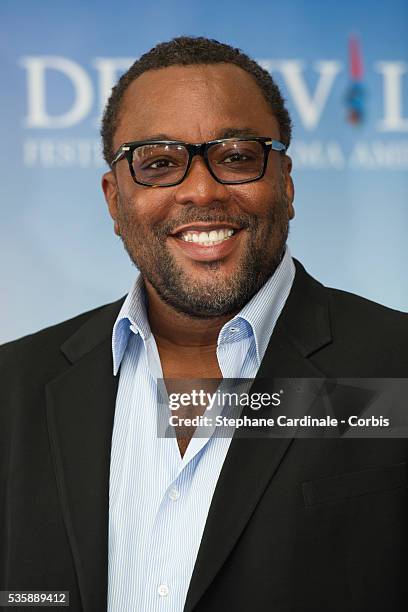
x=193 y=103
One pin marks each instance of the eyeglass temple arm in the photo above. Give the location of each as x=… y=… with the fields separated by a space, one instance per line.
x=120 y=154
x=276 y=145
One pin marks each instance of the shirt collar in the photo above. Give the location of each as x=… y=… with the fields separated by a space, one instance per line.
x=132 y=317
x=258 y=317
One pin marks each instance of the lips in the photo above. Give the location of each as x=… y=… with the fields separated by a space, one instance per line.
x=208 y=238
x=204 y=227
x=204 y=242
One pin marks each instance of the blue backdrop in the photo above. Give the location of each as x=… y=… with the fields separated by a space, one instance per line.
x=350 y=148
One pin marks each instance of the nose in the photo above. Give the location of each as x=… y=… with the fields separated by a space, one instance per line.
x=199 y=187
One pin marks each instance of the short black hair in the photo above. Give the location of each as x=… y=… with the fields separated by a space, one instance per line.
x=187 y=51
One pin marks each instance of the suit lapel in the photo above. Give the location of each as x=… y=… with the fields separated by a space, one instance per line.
x=302 y=329
x=80 y=411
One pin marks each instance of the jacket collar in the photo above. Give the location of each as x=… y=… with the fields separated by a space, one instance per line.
x=96 y=330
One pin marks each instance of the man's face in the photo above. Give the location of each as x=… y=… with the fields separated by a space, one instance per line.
x=196 y=104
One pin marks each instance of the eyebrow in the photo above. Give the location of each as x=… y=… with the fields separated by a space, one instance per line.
x=231 y=132
x=238 y=133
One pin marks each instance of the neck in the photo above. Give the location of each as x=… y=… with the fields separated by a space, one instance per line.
x=179 y=329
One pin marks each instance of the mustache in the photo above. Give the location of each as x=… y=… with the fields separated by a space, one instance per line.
x=195 y=216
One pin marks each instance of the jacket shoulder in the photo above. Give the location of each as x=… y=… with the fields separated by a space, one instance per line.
x=370 y=338
x=48 y=341
x=362 y=338
x=361 y=313
x=350 y=309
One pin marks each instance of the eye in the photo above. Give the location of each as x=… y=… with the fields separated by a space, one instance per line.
x=160 y=164
x=235 y=157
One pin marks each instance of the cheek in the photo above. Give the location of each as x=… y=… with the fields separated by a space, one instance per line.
x=144 y=209
x=258 y=197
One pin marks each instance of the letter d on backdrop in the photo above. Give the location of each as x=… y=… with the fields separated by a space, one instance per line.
x=36 y=88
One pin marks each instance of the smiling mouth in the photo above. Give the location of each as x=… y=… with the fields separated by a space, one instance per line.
x=206 y=242
x=207 y=238
x=206 y=234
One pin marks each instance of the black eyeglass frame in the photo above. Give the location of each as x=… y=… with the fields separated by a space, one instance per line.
x=126 y=151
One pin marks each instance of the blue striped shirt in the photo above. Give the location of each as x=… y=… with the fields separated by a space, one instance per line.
x=158 y=500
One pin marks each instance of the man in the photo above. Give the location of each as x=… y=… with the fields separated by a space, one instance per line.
x=93 y=501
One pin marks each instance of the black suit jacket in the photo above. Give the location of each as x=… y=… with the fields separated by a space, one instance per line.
x=294 y=525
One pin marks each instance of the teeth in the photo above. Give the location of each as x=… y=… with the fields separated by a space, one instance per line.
x=208 y=238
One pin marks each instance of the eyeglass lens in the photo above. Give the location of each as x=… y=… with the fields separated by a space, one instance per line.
x=233 y=161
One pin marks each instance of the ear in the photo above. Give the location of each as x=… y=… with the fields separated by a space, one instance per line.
x=110 y=189
x=289 y=187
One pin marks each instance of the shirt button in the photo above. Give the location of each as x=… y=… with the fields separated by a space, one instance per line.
x=163 y=590
x=174 y=494
x=233 y=330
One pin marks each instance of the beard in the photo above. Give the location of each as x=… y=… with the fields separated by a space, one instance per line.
x=217 y=293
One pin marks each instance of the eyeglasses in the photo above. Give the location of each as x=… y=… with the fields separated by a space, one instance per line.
x=164 y=163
